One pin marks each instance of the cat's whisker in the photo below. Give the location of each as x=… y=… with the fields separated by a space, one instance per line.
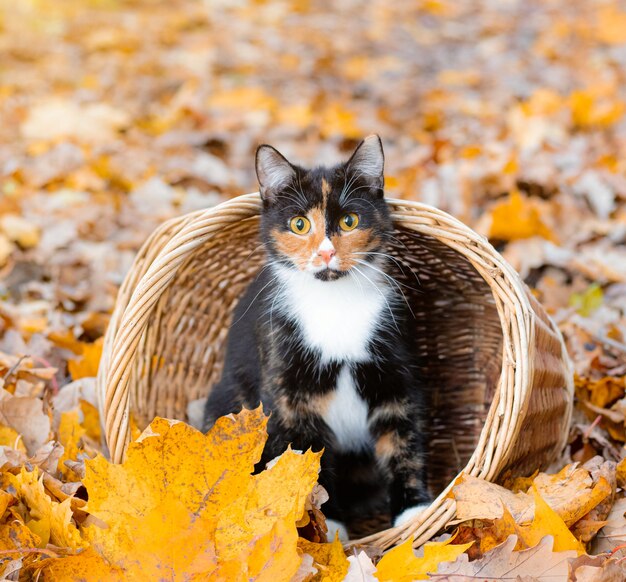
x=389 y=235
x=254 y=251
x=399 y=264
x=272 y=280
x=391 y=279
x=297 y=207
x=300 y=197
x=395 y=323
x=359 y=284
x=349 y=194
x=346 y=192
x=346 y=186
x=278 y=294
x=364 y=200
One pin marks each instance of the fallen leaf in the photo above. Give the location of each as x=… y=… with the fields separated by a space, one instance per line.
x=11 y=438
x=19 y=230
x=70 y=433
x=328 y=559
x=547 y=522
x=186 y=504
x=25 y=415
x=87 y=365
x=588 y=301
x=518 y=218
x=361 y=568
x=402 y=565
x=86 y=566
x=613 y=533
x=91 y=420
x=502 y=563
x=596 y=569
x=571 y=493
x=51 y=517
x=57 y=118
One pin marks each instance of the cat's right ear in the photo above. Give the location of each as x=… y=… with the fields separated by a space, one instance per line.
x=273 y=171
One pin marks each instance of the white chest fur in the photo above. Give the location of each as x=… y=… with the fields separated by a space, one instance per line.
x=346 y=414
x=337 y=318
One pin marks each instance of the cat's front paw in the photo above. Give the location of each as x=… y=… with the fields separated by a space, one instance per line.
x=336 y=528
x=408 y=514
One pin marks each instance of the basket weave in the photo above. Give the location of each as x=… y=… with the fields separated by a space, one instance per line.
x=496 y=363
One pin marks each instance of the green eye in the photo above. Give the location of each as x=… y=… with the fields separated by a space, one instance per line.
x=349 y=222
x=300 y=224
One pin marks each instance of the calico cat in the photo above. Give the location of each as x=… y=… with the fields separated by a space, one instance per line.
x=322 y=336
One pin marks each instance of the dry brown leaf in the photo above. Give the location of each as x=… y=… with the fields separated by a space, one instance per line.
x=613 y=534
x=571 y=492
x=25 y=415
x=596 y=569
x=502 y=563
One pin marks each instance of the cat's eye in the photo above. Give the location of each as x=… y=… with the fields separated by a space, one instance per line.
x=349 y=222
x=300 y=225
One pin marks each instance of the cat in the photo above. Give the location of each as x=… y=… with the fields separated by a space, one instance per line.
x=322 y=337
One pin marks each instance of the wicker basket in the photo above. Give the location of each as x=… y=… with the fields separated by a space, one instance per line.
x=495 y=361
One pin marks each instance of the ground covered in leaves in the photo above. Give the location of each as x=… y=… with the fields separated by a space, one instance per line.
x=119 y=114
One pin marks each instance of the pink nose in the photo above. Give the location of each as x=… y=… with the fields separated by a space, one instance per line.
x=326 y=255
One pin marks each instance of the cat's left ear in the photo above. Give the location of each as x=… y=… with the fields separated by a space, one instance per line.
x=273 y=171
x=368 y=161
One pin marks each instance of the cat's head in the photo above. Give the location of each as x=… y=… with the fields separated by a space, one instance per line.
x=324 y=221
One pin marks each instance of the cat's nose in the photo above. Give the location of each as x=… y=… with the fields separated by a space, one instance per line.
x=326 y=254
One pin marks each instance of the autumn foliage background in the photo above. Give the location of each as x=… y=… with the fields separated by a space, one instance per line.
x=119 y=114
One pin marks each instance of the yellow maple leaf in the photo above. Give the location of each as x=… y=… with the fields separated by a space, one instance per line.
x=14 y=535
x=402 y=565
x=91 y=420
x=548 y=522
x=70 y=435
x=50 y=519
x=499 y=531
x=87 y=566
x=5 y=500
x=185 y=505
x=516 y=218
x=87 y=365
x=329 y=560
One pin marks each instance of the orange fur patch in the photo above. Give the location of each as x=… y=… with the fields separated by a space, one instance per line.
x=325 y=191
x=346 y=245
x=300 y=248
x=387 y=445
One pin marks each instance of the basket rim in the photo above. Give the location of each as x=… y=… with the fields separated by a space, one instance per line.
x=167 y=248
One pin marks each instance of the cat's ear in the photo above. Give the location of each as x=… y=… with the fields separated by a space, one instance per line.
x=368 y=161
x=272 y=170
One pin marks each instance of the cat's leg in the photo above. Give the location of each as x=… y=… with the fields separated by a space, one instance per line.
x=400 y=449
x=224 y=398
x=308 y=433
